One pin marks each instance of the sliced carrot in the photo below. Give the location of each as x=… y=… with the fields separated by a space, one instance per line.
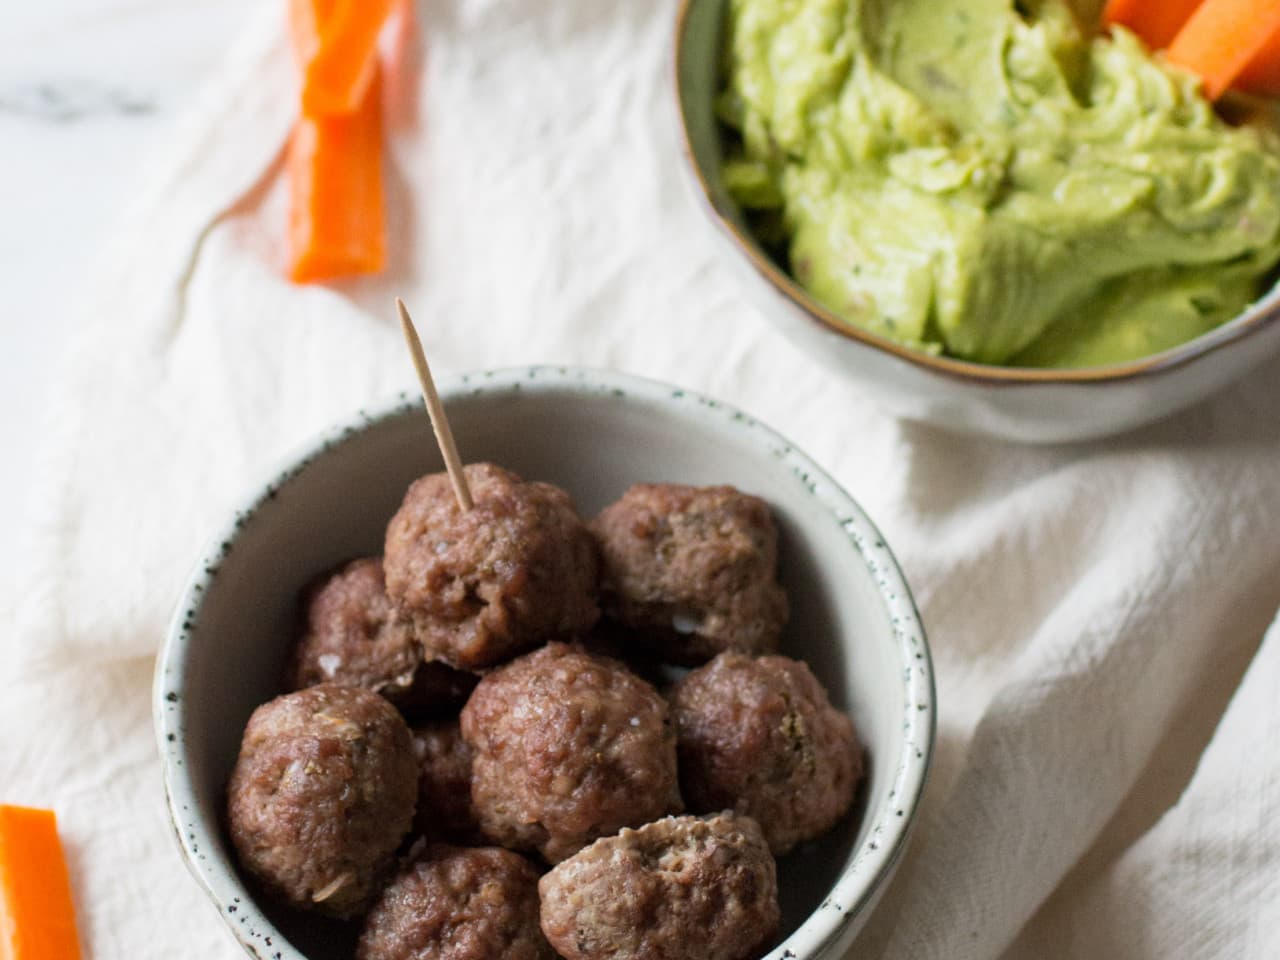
x=336 y=209
x=1262 y=75
x=1155 y=21
x=306 y=20
x=1222 y=38
x=37 y=920
x=336 y=77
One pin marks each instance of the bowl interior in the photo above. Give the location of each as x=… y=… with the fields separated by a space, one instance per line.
x=852 y=619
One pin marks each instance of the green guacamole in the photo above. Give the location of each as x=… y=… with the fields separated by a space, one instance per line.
x=991 y=180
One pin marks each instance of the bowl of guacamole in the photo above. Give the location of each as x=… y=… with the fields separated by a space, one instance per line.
x=991 y=191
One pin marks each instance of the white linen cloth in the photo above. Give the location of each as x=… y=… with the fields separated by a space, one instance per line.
x=1092 y=609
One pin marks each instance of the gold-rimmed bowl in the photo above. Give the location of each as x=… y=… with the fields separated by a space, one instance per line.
x=1016 y=403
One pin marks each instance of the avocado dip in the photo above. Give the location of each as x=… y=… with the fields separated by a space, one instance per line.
x=993 y=181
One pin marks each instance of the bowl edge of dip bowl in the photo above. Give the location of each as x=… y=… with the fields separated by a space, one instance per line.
x=198 y=675
x=1025 y=404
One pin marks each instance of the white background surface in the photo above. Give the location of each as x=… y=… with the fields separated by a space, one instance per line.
x=87 y=88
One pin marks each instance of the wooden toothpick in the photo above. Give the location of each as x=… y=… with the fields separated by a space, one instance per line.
x=435 y=409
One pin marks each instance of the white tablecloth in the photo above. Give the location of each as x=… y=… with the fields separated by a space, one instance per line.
x=1107 y=781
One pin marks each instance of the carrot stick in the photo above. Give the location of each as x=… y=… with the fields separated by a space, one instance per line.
x=336 y=76
x=1222 y=38
x=306 y=22
x=37 y=920
x=1262 y=75
x=336 y=211
x=1155 y=21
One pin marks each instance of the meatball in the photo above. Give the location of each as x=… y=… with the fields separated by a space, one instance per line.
x=321 y=796
x=444 y=782
x=481 y=586
x=678 y=888
x=760 y=735
x=567 y=747
x=692 y=569
x=454 y=904
x=352 y=635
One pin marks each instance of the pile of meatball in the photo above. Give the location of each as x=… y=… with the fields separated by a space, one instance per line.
x=486 y=701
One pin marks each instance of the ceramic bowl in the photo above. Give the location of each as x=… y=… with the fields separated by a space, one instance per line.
x=1038 y=406
x=593 y=433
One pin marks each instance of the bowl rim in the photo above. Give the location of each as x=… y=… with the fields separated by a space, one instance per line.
x=1253 y=318
x=889 y=828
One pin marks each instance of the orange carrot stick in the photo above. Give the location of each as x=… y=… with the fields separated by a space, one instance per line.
x=1222 y=38
x=37 y=920
x=336 y=76
x=1155 y=21
x=336 y=210
x=306 y=22
x=1262 y=75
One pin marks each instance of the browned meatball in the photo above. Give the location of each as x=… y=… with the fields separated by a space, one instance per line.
x=692 y=569
x=321 y=796
x=352 y=635
x=444 y=782
x=483 y=585
x=566 y=747
x=454 y=904
x=679 y=888
x=759 y=735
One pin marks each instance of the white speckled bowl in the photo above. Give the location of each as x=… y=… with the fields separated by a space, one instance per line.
x=593 y=433
x=1029 y=405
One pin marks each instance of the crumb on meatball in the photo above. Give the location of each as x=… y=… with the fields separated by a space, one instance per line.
x=679 y=887
x=760 y=735
x=567 y=747
x=444 y=782
x=450 y=903
x=482 y=585
x=321 y=795
x=692 y=569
